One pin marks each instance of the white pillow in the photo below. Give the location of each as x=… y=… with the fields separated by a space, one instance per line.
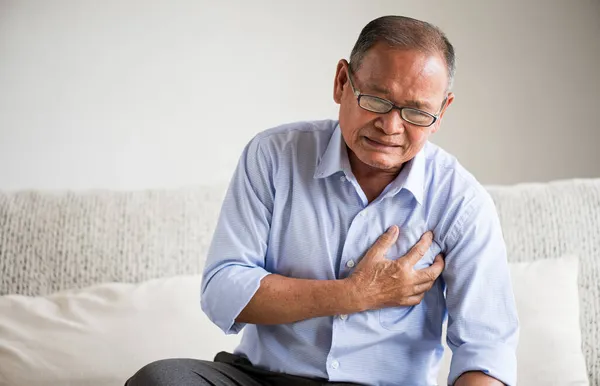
x=103 y=334
x=547 y=299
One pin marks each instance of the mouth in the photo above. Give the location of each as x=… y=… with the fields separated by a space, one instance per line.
x=380 y=145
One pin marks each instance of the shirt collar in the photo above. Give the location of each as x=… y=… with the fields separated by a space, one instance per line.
x=412 y=176
x=335 y=159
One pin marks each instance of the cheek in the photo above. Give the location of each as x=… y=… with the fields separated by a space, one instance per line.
x=352 y=121
x=417 y=136
x=349 y=131
x=347 y=116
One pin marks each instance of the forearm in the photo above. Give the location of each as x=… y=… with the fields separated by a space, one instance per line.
x=476 y=378
x=281 y=300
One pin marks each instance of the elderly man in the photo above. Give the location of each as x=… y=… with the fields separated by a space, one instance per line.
x=333 y=235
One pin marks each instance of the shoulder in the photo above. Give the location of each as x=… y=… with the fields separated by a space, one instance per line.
x=283 y=150
x=455 y=197
x=295 y=134
x=446 y=176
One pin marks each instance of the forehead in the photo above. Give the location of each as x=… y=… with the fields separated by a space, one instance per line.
x=402 y=75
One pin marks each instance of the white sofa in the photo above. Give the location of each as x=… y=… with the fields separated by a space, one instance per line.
x=51 y=242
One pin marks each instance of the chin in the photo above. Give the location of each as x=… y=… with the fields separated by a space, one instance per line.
x=382 y=163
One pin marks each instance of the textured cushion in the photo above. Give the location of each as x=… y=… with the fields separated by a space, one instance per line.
x=51 y=242
x=547 y=299
x=101 y=335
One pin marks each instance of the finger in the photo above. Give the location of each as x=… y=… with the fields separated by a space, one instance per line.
x=384 y=242
x=423 y=287
x=419 y=250
x=431 y=273
x=414 y=300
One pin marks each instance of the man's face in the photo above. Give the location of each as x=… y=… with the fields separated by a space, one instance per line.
x=384 y=142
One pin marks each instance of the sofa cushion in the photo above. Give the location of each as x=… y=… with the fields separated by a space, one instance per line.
x=101 y=335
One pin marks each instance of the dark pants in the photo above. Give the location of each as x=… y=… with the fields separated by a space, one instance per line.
x=226 y=370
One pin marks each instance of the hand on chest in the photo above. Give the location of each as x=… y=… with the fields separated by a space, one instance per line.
x=407 y=238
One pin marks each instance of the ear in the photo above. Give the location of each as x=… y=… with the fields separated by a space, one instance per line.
x=341 y=78
x=437 y=123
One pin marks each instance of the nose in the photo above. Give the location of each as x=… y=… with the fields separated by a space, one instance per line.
x=392 y=123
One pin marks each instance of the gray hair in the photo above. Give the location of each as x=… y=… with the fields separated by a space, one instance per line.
x=407 y=33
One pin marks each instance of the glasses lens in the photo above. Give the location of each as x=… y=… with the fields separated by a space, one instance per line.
x=417 y=117
x=374 y=104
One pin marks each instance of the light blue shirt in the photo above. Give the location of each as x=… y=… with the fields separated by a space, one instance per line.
x=294 y=208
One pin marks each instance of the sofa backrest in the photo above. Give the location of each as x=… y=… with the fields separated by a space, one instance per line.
x=55 y=241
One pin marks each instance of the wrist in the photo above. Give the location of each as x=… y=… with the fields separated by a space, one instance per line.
x=352 y=298
x=472 y=378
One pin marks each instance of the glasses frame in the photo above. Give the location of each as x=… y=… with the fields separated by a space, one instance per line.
x=393 y=106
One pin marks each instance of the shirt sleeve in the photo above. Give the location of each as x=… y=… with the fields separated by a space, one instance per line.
x=483 y=325
x=235 y=263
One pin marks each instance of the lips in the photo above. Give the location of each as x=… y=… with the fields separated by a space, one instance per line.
x=377 y=142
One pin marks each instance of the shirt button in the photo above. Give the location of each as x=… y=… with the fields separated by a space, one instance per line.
x=342 y=178
x=343 y=316
x=350 y=263
x=363 y=213
x=335 y=364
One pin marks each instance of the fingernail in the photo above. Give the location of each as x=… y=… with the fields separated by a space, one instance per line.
x=393 y=229
x=430 y=234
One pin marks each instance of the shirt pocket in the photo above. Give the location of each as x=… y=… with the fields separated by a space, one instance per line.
x=391 y=318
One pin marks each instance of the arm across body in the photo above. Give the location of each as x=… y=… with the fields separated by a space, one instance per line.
x=281 y=300
x=377 y=282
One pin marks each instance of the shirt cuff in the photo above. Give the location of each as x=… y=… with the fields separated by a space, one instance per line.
x=496 y=360
x=227 y=294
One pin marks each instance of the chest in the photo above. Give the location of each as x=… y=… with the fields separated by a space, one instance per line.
x=322 y=232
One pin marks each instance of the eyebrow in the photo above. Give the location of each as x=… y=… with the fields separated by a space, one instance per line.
x=421 y=105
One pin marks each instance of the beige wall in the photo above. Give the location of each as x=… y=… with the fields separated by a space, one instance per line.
x=527 y=89
x=136 y=94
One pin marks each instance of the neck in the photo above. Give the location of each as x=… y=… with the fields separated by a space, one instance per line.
x=372 y=180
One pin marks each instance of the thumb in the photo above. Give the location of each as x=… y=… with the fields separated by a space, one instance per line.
x=383 y=243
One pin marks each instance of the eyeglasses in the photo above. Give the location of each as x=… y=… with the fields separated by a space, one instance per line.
x=383 y=106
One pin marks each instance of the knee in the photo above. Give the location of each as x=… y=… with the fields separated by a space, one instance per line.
x=164 y=372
